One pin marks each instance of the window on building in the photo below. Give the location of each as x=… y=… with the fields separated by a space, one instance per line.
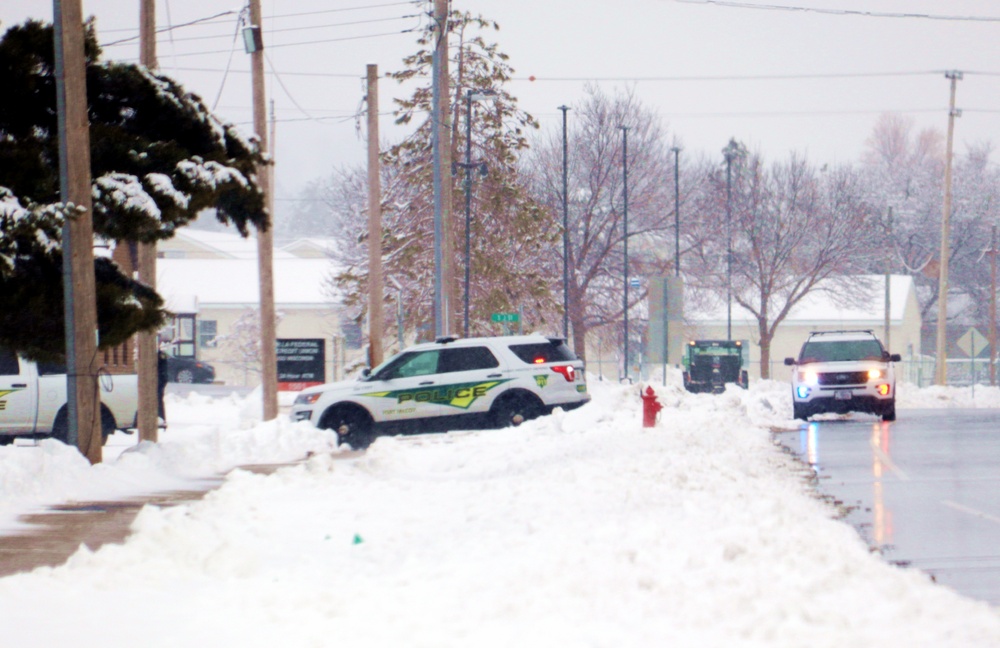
x=207 y=330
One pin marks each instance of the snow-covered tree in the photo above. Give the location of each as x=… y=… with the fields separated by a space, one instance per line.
x=510 y=236
x=795 y=229
x=158 y=158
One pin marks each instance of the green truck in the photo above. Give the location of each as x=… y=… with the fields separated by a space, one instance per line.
x=710 y=364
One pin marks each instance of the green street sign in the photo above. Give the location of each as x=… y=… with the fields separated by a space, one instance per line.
x=505 y=317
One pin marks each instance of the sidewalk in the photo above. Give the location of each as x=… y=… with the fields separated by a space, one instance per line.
x=57 y=534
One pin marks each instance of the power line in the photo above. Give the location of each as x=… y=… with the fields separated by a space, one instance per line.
x=840 y=12
x=171 y=28
x=738 y=77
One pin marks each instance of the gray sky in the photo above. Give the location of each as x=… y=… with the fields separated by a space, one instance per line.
x=699 y=65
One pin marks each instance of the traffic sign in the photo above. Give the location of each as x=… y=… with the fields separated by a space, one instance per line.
x=634 y=282
x=973 y=343
x=505 y=317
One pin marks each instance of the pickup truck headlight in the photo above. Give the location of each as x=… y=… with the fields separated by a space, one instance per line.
x=307 y=399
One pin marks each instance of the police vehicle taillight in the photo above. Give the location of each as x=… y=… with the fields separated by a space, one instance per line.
x=568 y=372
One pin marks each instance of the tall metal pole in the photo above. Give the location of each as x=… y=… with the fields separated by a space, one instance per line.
x=375 y=317
x=941 y=374
x=565 y=205
x=993 y=306
x=625 y=236
x=677 y=211
x=80 y=303
x=147 y=365
x=729 y=245
x=265 y=236
x=468 y=202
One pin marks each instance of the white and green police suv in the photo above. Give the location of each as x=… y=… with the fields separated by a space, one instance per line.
x=450 y=384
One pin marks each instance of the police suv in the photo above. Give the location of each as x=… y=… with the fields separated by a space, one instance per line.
x=843 y=371
x=450 y=384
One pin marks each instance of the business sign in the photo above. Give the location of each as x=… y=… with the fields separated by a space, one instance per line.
x=301 y=363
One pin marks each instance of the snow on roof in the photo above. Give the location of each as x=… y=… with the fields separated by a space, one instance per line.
x=865 y=304
x=233 y=283
x=226 y=244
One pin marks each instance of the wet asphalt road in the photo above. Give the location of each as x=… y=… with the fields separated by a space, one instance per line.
x=924 y=489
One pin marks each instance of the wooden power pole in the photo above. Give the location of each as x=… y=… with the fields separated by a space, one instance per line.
x=265 y=236
x=146 y=341
x=375 y=321
x=941 y=374
x=83 y=411
x=445 y=286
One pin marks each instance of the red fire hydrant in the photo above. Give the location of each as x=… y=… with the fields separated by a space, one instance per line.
x=650 y=408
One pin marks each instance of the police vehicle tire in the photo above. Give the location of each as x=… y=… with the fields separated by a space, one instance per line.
x=351 y=424
x=800 y=412
x=889 y=411
x=512 y=409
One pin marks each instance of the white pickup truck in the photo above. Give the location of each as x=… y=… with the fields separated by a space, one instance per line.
x=33 y=400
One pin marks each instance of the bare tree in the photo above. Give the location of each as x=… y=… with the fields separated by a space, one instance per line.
x=795 y=230
x=596 y=206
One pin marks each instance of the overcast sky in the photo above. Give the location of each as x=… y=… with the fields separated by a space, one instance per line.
x=698 y=64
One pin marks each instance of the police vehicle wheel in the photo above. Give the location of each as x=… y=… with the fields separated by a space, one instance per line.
x=889 y=412
x=515 y=410
x=352 y=426
x=800 y=412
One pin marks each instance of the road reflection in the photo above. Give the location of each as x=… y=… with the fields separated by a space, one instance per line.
x=881 y=514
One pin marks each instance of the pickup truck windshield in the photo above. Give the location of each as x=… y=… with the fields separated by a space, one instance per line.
x=840 y=351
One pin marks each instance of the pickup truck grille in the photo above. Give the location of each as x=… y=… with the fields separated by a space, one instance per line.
x=841 y=378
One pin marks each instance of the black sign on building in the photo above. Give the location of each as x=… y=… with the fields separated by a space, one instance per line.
x=301 y=363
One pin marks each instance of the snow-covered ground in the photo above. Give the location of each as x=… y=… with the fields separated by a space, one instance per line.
x=579 y=529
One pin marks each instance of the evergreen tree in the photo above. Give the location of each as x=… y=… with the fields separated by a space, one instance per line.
x=158 y=158
x=510 y=232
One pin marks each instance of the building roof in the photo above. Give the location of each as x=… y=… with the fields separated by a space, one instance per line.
x=213 y=244
x=865 y=305
x=233 y=283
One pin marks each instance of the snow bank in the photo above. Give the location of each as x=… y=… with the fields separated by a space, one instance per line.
x=577 y=529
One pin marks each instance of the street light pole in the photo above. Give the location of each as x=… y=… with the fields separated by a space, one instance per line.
x=730 y=152
x=468 y=165
x=625 y=219
x=468 y=200
x=677 y=211
x=565 y=198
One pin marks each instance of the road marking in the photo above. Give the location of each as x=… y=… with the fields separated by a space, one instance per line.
x=971 y=511
x=885 y=459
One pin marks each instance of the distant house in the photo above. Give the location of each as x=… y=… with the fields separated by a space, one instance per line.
x=820 y=310
x=189 y=243
x=319 y=248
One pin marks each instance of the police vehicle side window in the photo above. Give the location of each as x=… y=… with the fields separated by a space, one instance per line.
x=554 y=351
x=421 y=363
x=467 y=359
x=8 y=363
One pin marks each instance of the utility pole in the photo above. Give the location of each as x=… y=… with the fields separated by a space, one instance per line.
x=147 y=365
x=83 y=412
x=265 y=236
x=941 y=375
x=375 y=322
x=444 y=261
x=625 y=237
x=677 y=212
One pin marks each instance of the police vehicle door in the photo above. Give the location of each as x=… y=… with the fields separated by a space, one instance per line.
x=471 y=377
x=17 y=394
x=406 y=388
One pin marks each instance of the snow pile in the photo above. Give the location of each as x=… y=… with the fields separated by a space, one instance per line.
x=581 y=528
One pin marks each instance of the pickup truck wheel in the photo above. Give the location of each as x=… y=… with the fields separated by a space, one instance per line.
x=60 y=427
x=352 y=425
x=515 y=409
x=107 y=424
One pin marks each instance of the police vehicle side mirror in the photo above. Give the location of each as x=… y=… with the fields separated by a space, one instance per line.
x=366 y=373
x=895 y=357
x=789 y=361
